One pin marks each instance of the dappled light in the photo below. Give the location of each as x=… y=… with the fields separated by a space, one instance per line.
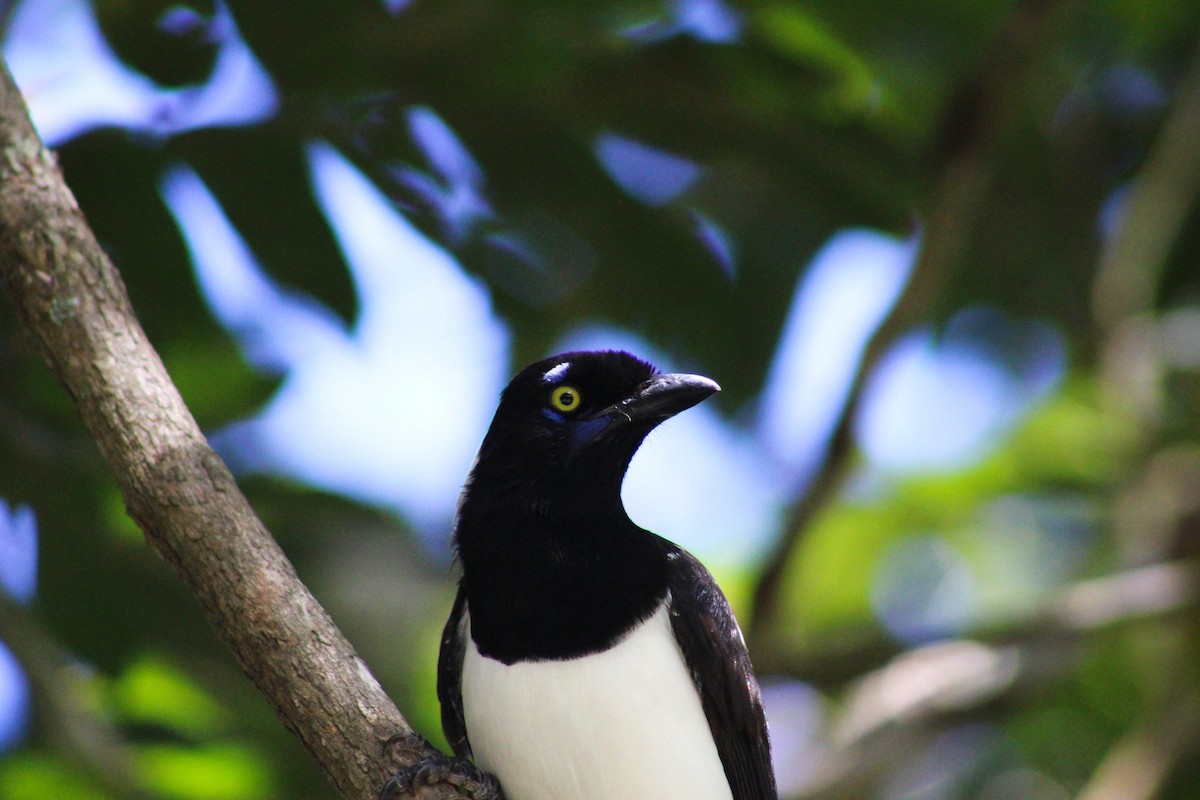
x=842 y=297
x=711 y=21
x=358 y=411
x=453 y=187
x=941 y=402
x=18 y=583
x=645 y=173
x=75 y=82
x=14 y=700
x=941 y=262
x=18 y=552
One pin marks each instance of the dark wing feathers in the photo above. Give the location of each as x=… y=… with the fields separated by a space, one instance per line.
x=716 y=656
x=449 y=680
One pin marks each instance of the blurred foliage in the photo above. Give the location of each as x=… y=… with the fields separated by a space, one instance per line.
x=814 y=117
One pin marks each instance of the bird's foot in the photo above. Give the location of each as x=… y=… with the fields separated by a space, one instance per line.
x=460 y=773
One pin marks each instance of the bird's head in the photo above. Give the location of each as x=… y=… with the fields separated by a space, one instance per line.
x=567 y=427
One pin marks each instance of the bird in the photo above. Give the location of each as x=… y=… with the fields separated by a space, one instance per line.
x=586 y=658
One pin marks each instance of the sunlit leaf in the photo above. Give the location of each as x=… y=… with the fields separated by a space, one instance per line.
x=798 y=34
x=215 y=772
x=151 y=690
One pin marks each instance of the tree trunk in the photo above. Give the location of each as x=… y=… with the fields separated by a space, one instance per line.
x=74 y=307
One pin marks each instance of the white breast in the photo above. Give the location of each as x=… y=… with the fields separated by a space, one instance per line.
x=624 y=724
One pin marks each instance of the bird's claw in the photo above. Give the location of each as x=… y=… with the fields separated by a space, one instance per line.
x=463 y=775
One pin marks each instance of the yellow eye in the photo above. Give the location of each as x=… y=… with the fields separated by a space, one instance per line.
x=565 y=398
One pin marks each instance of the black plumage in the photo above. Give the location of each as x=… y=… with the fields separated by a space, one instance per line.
x=553 y=568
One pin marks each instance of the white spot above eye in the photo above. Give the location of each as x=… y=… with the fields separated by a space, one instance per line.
x=556 y=373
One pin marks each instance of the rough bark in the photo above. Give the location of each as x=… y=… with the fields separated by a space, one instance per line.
x=74 y=307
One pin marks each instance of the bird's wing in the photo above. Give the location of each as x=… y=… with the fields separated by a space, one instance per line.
x=716 y=656
x=449 y=679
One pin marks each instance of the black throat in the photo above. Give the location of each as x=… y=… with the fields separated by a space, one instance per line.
x=553 y=585
x=553 y=568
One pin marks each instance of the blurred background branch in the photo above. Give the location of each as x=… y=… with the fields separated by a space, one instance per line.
x=1162 y=591
x=62 y=698
x=1139 y=765
x=979 y=113
x=1160 y=197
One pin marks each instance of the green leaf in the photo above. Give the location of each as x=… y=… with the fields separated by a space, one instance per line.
x=796 y=34
x=154 y=691
x=38 y=776
x=216 y=772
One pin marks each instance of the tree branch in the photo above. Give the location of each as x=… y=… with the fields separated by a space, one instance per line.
x=75 y=309
x=1164 y=591
x=896 y=708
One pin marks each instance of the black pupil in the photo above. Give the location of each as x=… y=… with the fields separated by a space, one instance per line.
x=566 y=399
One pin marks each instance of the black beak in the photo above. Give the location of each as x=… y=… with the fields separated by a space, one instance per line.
x=657 y=399
x=664 y=396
